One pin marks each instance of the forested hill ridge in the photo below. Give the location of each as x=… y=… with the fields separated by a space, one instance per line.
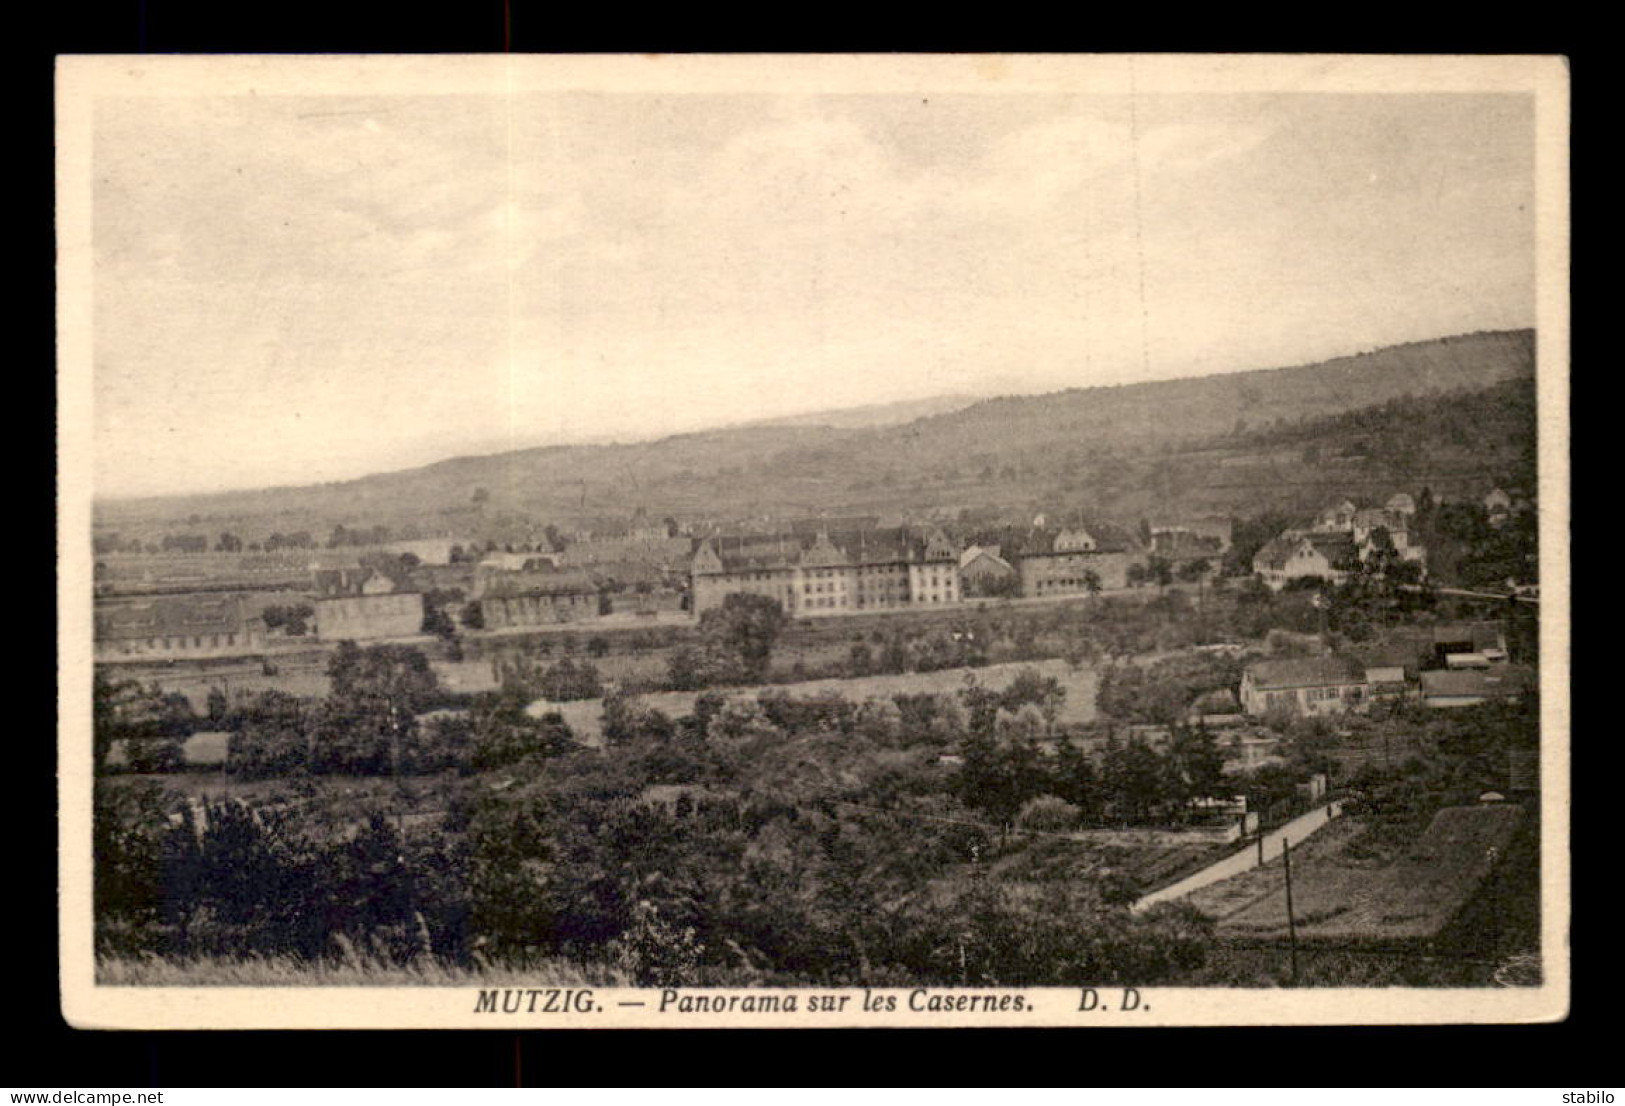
x=1235 y=442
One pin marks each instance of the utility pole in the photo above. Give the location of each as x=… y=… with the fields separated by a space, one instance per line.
x=1201 y=609
x=1291 y=922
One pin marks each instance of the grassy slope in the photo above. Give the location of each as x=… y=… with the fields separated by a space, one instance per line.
x=356 y=970
x=1337 y=898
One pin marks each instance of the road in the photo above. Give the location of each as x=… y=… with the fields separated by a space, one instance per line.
x=1247 y=859
x=1466 y=594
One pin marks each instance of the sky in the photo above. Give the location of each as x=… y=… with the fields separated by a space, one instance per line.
x=298 y=289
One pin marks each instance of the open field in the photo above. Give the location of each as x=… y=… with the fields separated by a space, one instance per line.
x=298 y=674
x=585 y=715
x=1230 y=896
x=201 y=750
x=1339 y=898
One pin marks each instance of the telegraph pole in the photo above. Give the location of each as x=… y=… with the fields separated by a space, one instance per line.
x=1291 y=922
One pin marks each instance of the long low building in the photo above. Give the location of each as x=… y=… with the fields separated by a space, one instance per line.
x=1468 y=687
x=1307 y=686
x=167 y=626
x=537 y=596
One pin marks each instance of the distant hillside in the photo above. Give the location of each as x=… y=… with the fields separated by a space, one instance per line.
x=877 y=414
x=1215 y=443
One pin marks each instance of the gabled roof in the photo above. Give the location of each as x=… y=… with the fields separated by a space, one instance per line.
x=1305 y=672
x=1483 y=635
x=1381 y=539
x=169 y=616
x=882 y=545
x=1462 y=683
x=1338 y=548
x=1378 y=516
x=842 y=524
x=974 y=553
x=1186 y=544
x=1275 y=553
x=1386 y=655
x=511 y=585
x=1109 y=537
x=513 y=562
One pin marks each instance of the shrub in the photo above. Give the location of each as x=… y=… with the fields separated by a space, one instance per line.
x=1048 y=814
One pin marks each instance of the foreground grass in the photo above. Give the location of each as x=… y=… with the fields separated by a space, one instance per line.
x=289 y=971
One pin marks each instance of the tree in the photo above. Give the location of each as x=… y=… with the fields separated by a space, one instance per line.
x=744 y=629
x=627 y=719
x=1032 y=687
x=218 y=707
x=150 y=722
x=1074 y=779
x=999 y=775
x=503 y=733
x=437 y=622
x=1195 y=765
x=1160 y=571
x=879 y=721
x=686 y=669
x=271 y=736
x=565 y=680
x=1192 y=571
x=148 y=755
x=473 y=615
x=376 y=695
x=292 y=620
x=1133 y=781
x=110 y=710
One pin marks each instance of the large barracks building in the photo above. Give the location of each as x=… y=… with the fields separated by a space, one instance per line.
x=831 y=572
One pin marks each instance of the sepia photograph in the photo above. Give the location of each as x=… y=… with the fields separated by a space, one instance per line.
x=772 y=541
